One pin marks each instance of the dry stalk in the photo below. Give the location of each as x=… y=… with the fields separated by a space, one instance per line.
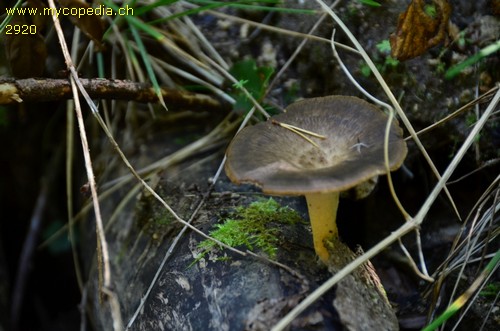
x=270 y=27
x=303 y=133
x=486 y=96
x=424 y=274
x=390 y=95
x=411 y=225
x=103 y=253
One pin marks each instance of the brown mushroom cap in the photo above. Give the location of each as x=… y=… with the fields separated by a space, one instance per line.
x=282 y=162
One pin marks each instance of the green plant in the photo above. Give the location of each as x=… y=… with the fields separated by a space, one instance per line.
x=384 y=60
x=491 y=290
x=254 y=78
x=254 y=227
x=485 y=52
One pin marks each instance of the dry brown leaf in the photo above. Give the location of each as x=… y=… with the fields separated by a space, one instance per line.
x=91 y=25
x=417 y=31
x=495 y=7
x=39 y=20
x=26 y=53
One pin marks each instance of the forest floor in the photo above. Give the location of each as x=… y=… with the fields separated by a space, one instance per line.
x=34 y=137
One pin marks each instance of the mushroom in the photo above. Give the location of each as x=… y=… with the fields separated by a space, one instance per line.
x=346 y=149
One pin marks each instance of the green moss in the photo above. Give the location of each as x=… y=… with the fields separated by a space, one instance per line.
x=491 y=290
x=253 y=227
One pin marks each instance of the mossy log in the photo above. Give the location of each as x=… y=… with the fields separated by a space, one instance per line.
x=222 y=290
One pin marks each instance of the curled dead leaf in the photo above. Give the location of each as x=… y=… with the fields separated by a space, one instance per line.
x=40 y=21
x=26 y=53
x=419 y=31
x=91 y=25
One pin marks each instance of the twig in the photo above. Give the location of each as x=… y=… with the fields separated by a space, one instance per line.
x=46 y=89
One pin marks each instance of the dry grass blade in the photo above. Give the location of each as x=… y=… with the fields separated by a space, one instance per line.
x=459 y=155
x=102 y=244
x=404 y=229
x=468 y=296
x=70 y=128
x=391 y=97
x=471 y=247
x=483 y=98
x=273 y=28
x=301 y=132
x=424 y=273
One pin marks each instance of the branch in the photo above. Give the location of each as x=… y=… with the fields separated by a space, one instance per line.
x=45 y=89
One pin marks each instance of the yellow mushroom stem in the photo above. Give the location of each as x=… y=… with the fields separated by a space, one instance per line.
x=323 y=215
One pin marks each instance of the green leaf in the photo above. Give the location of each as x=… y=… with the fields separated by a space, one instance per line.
x=251 y=77
x=391 y=62
x=365 y=70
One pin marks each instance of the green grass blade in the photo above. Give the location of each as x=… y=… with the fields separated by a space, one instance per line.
x=370 y=3
x=147 y=64
x=144 y=9
x=488 y=50
x=9 y=17
x=462 y=300
x=101 y=73
x=136 y=24
x=208 y=5
x=250 y=6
